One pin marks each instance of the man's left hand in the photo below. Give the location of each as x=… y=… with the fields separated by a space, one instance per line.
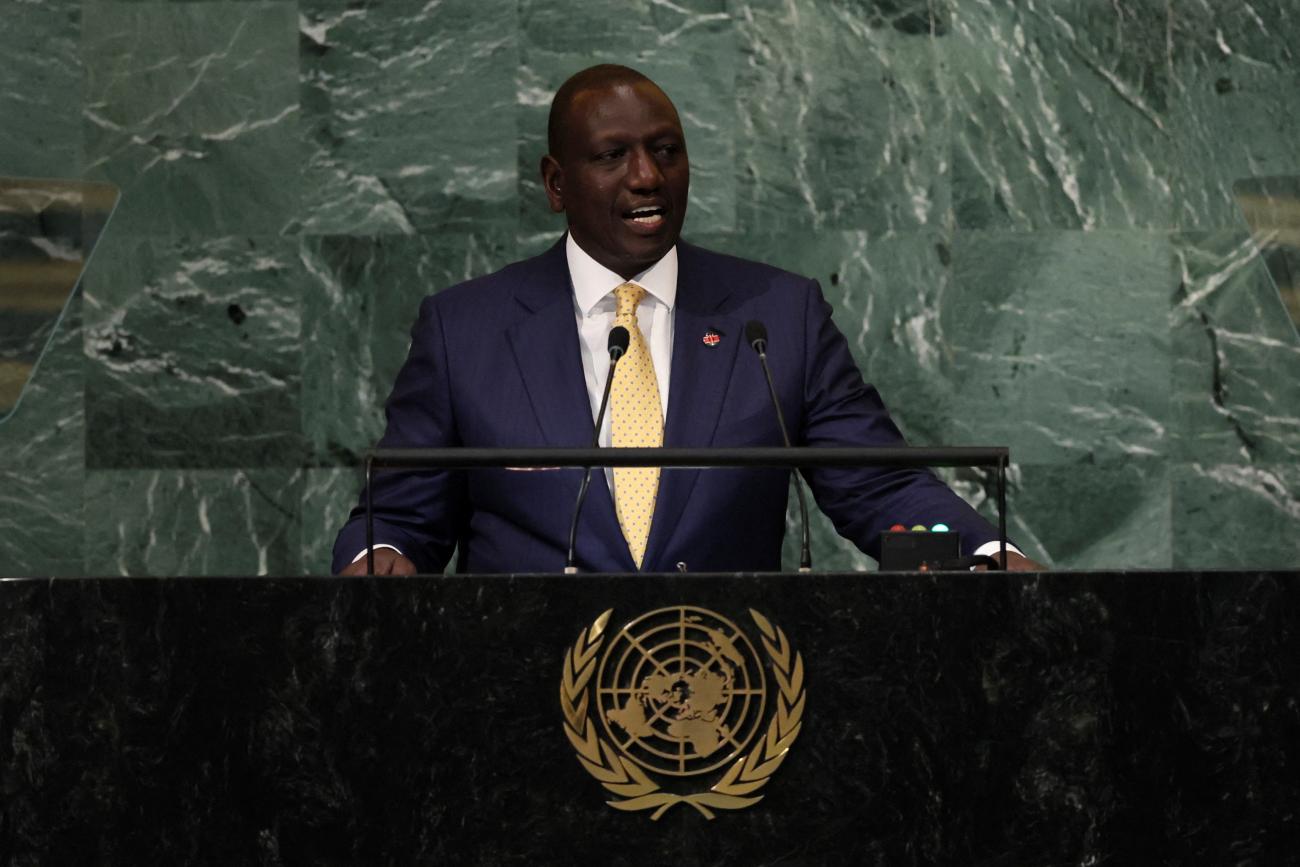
x=1020 y=563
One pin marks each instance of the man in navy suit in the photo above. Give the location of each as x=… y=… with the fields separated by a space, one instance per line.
x=518 y=359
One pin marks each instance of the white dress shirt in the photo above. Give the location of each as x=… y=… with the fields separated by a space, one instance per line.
x=594 y=305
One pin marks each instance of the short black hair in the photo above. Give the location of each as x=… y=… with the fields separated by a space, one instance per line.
x=591 y=78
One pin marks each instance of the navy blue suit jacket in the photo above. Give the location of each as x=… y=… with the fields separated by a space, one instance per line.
x=495 y=362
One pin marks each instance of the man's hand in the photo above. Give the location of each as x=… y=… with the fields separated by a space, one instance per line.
x=1019 y=563
x=387 y=562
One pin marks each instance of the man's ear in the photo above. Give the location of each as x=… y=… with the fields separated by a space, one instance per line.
x=553 y=182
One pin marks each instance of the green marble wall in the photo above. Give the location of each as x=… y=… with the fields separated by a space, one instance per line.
x=1023 y=212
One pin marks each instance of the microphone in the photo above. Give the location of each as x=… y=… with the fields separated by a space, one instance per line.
x=617 y=346
x=756 y=337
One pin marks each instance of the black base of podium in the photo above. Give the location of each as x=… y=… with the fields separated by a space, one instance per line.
x=950 y=719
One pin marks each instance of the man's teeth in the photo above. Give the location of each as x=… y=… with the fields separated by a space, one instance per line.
x=647 y=216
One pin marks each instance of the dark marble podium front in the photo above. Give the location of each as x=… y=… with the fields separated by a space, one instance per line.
x=1121 y=718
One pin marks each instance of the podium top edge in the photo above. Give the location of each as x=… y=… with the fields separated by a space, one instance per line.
x=558 y=458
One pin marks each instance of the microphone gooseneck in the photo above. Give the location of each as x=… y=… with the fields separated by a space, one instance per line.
x=756 y=337
x=619 y=338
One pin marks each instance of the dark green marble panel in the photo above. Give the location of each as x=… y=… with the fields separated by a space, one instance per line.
x=192 y=109
x=886 y=293
x=1236 y=371
x=328 y=494
x=1234 y=114
x=689 y=48
x=194 y=353
x=1058 y=344
x=841 y=123
x=1093 y=515
x=1060 y=114
x=359 y=306
x=40 y=90
x=204 y=522
x=1225 y=515
x=42 y=463
x=409 y=111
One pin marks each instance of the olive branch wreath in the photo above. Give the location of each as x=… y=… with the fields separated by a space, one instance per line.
x=634 y=788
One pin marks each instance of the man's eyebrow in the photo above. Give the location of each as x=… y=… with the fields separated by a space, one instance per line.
x=605 y=142
x=625 y=136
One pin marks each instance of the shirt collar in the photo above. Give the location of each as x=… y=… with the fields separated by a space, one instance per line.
x=592 y=281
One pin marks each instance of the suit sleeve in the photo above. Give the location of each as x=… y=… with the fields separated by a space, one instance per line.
x=422 y=514
x=840 y=409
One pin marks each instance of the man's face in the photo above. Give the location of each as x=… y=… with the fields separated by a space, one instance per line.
x=621 y=176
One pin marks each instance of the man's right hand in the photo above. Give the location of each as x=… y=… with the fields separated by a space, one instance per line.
x=387 y=562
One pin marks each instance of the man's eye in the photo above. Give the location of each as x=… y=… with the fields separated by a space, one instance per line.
x=610 y=154
x=668 y=149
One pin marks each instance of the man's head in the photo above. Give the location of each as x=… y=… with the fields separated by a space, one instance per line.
x=617 y=167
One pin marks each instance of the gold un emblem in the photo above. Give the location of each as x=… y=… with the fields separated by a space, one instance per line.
x=681 y=693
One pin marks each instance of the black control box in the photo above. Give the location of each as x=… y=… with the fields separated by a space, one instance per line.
x=905 y=551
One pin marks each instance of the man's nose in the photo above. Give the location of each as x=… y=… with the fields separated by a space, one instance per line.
x=643 y=172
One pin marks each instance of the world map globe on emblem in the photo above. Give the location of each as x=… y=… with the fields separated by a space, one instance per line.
x=681 y=691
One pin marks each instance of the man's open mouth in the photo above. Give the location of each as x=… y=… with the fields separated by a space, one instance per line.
x=649 y=216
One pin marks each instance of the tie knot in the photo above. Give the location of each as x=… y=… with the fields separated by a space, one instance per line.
x=628 y=296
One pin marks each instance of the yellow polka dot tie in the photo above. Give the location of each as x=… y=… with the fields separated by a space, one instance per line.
x=636 y=421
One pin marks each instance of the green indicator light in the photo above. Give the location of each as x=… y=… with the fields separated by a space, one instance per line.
x=939 y=528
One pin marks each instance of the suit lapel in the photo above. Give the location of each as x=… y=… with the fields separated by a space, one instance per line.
x=697 y=388
x=545 y=346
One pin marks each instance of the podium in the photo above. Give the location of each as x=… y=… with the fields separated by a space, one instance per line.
x=948 y=719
